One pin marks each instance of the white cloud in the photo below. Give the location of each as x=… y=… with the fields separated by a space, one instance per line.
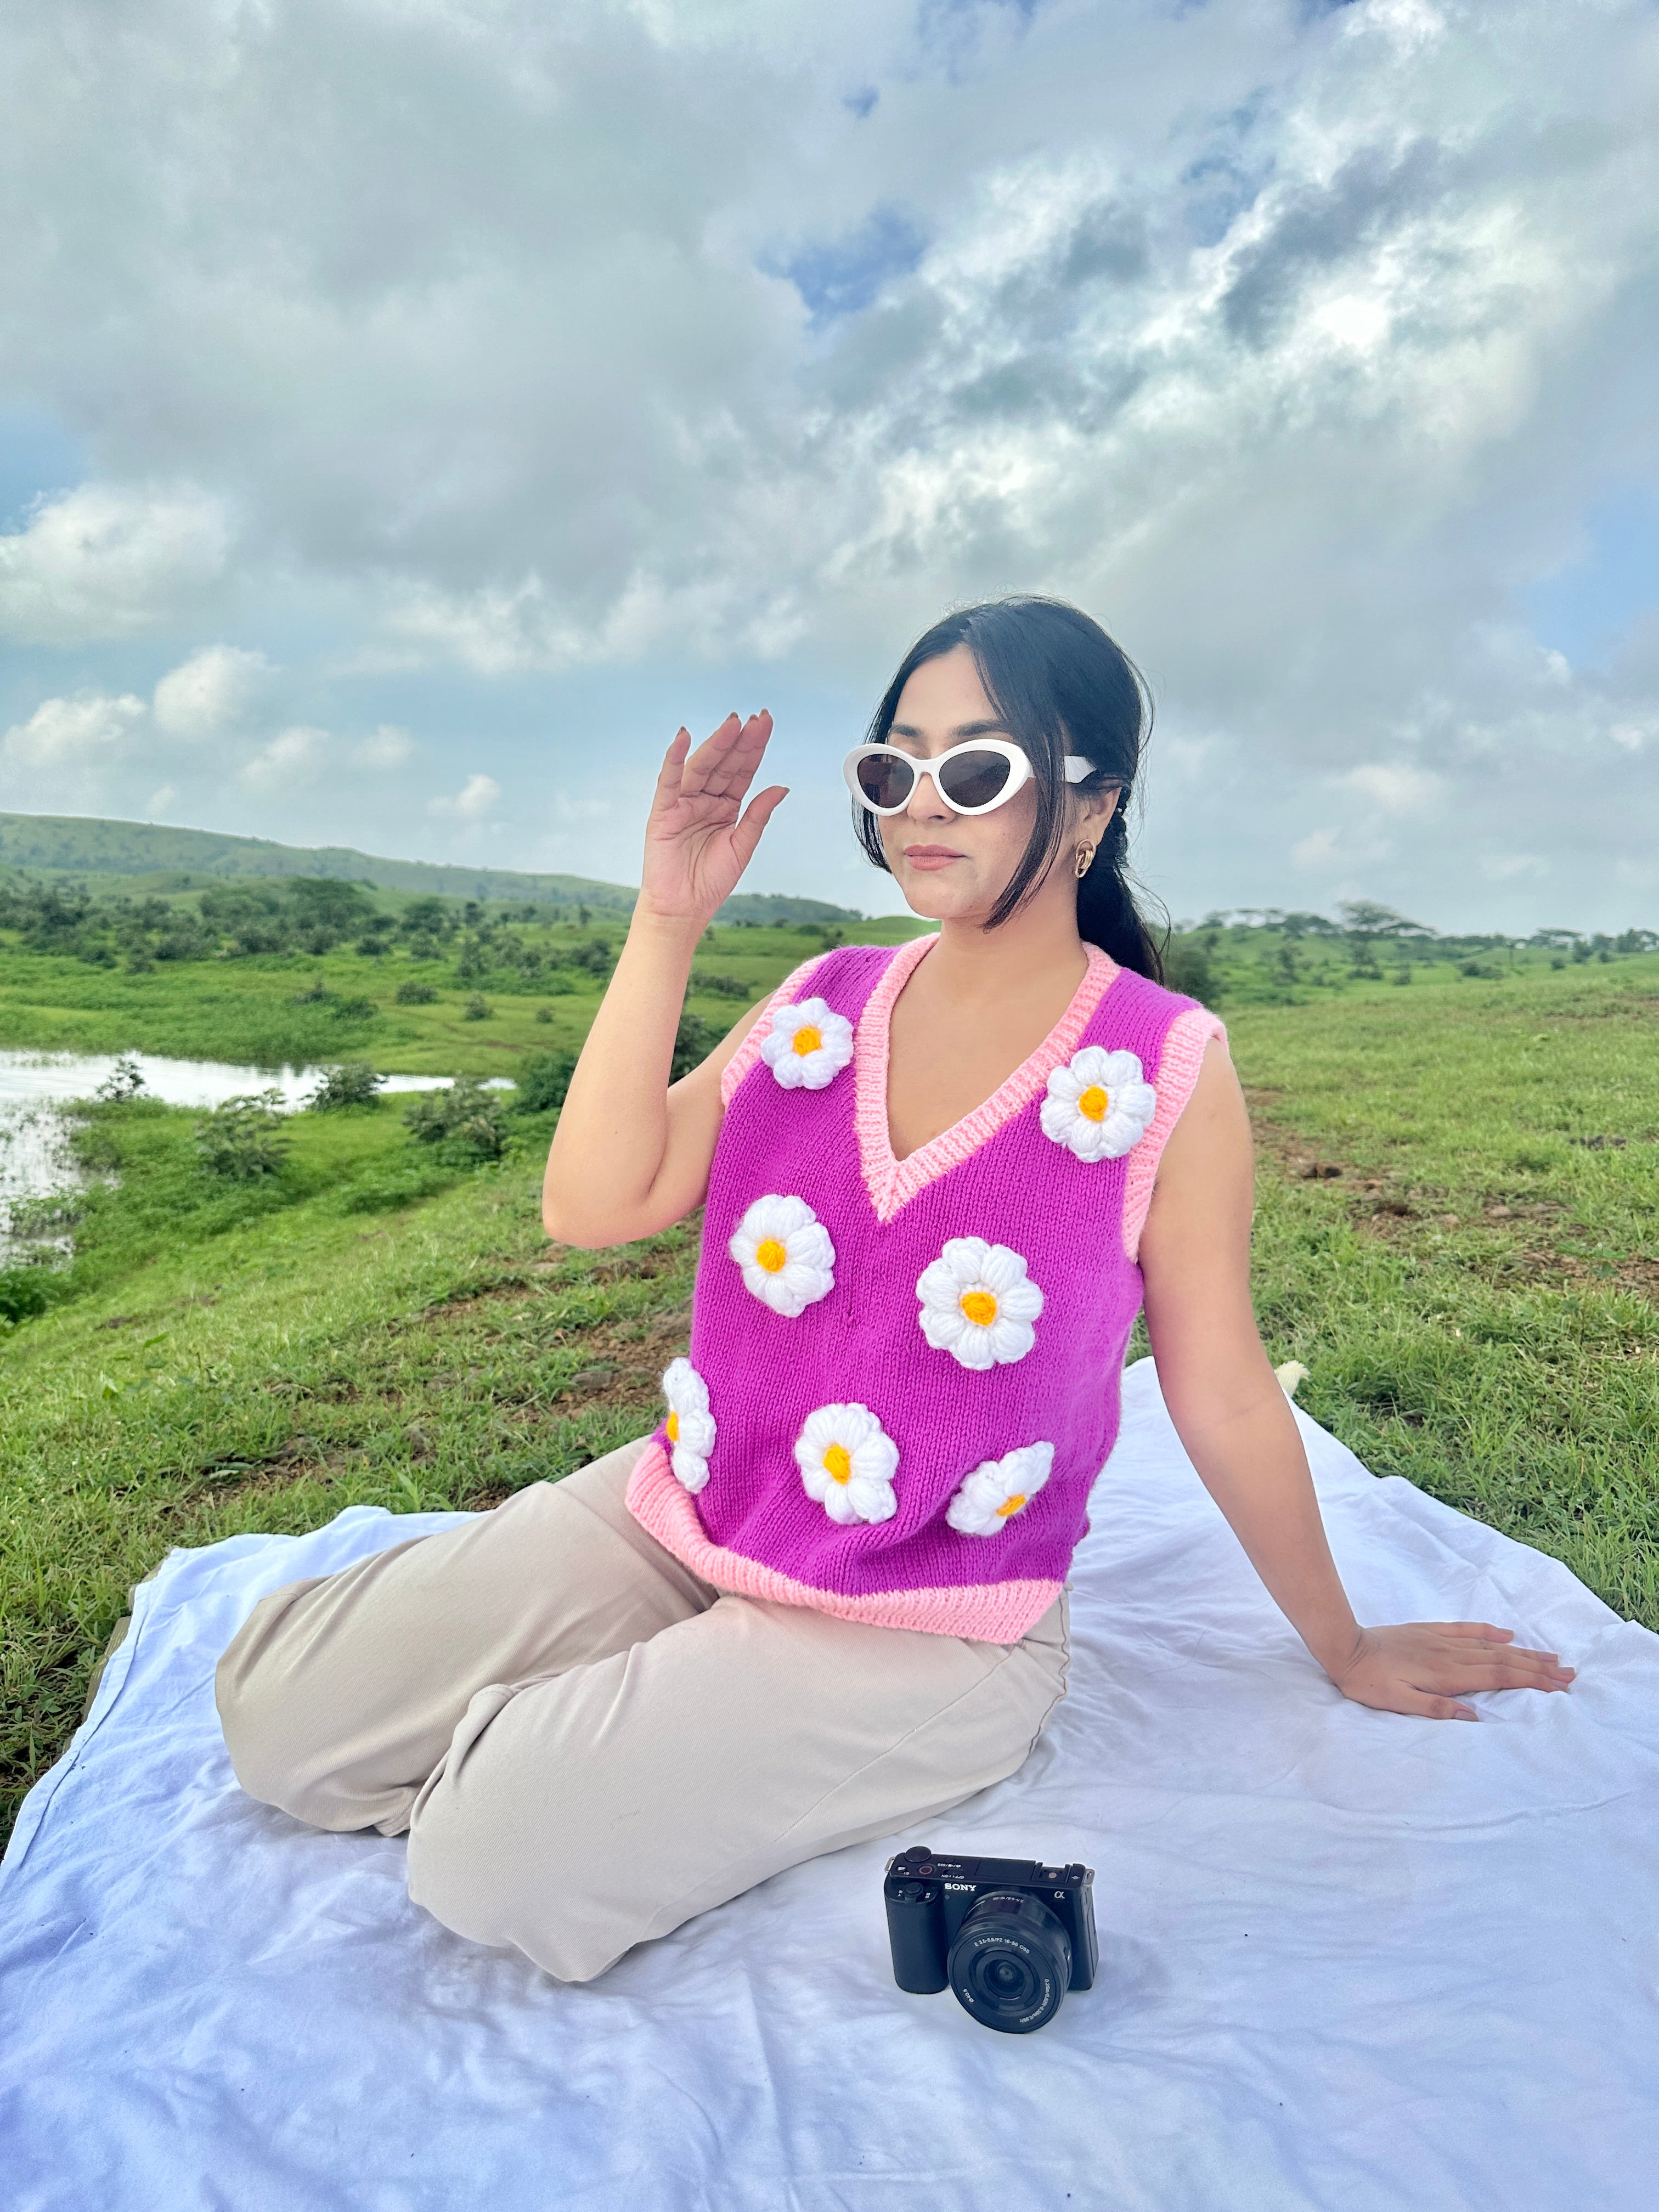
x=1318 y=849
x=1397 y=786
x=210 y=693
x=293 y=758
x=161 y=802
x=68 y=732
x=1503 y=867
x=471 y=802
x=107 y=560
x=388 y=747
x=1294 y=342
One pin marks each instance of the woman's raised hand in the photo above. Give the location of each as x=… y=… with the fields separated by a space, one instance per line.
x=1428 y=1667
x=700 y=837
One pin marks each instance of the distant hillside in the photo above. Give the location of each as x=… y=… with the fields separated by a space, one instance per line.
x=74 y=845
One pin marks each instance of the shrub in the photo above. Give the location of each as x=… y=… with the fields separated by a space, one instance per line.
x=243 y=1139
x=465 y=1121
x=1186 y=969
x=352 y=1082
x=355 y=1010
x=543 y=1013
x=693 y=1041
x=314 y=994
x=124 y=1081
x=416 y=994
x=544 y=1079
x=477 y=1008
x=721 y=986
x=24 y=1292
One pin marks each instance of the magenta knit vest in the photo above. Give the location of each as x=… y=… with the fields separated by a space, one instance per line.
x=904 y=1375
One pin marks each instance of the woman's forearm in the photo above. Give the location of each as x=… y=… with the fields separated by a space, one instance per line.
x=612 y=1144
x=1249 y=1456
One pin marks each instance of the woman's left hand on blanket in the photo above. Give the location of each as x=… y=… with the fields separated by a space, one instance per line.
x=1425 y=1666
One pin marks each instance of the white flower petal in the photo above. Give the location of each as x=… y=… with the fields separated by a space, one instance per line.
x=807 y=1272
x=1021 y=1301
x=863 y=1490
x=985 y=1503
x=951 y=1317
x=819 y=1064
x=1131 y=1102
x=944 y=1331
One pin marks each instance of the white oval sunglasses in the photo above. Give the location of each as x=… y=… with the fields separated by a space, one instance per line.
x=971 y=779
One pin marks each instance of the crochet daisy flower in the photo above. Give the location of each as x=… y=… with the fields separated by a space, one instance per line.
x=808 y=1045
x=1000 y=1488
x=846 y=1461
x=785 y=1254
x=690 y=1425
x=1099 y=1104
x=978 y=1303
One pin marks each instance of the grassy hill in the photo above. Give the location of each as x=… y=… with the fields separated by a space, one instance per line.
x=140 y=853
x=1455 y=1231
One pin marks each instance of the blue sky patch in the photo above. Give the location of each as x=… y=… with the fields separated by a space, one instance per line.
x=841 y=277
x=1585 y=608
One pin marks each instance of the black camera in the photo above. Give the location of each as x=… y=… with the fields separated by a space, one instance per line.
x=1009 y=1936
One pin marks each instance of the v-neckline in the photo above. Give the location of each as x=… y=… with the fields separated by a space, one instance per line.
x=892 y=1182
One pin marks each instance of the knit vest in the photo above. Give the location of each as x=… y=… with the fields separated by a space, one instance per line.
x=904 y=1374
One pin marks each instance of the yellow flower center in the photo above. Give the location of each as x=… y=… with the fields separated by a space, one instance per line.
x=673 y=1428
x=808 y=1040
x=838 y=1464
x=1011 y=1505
x=770 y=1255
x=979 y=1306
x=1094 y=1103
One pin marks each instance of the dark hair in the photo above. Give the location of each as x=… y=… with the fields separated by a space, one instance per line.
x=1061 y=686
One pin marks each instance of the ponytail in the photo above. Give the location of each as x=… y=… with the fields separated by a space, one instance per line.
x=1108 y=913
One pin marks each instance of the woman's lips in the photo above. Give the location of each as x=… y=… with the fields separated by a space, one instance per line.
x=930 y=856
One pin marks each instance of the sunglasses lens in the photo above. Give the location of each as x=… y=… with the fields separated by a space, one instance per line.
x=886 y=779
x=975 y=778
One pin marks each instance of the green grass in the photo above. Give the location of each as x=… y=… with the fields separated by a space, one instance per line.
x=252 y=1011
x=1474 y=1293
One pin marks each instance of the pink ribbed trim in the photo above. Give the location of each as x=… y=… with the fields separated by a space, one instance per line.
x=892 y=1183
x=989 y=1613
x=749 y=1052
x=1177 y=1072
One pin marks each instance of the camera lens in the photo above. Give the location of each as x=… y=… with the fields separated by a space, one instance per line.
x=1010 y=1964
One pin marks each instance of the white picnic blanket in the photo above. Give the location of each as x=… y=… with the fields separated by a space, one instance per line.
x=1348 y=1961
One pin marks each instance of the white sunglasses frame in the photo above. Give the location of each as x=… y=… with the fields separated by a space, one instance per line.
x=1076 y=769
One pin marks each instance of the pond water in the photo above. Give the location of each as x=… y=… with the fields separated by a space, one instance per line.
x=35 y=1086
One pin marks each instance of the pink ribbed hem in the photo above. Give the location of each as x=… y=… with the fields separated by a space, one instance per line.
x=891 y=1182
x=748 y=1053
x=1178 y=1071
x=988 y=1613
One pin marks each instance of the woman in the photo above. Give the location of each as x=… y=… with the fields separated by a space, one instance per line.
x=827 y=1599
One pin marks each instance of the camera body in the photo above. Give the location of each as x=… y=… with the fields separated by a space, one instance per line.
x=1009 y=1936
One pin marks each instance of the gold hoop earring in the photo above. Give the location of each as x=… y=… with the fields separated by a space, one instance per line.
x=1085 y=860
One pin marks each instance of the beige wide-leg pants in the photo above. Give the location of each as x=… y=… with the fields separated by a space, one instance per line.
x=586 y=1743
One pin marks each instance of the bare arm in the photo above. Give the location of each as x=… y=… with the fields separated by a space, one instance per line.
x=1240 y=1434
x=631 y=1153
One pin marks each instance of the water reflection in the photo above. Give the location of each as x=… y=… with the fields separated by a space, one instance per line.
x=34 y=1154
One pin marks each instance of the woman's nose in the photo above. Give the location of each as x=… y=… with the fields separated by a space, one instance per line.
x=926 y=802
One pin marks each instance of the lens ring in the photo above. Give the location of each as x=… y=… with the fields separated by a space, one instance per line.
x=1011 y=1963
x=886 y=778
x=974 y=777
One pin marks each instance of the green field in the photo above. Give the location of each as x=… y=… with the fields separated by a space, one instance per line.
x=1456 y=1233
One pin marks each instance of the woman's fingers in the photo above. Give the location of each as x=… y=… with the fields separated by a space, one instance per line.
x=755 y=815
x=723 y=766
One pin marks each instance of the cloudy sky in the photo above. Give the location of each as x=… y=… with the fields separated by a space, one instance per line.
x=411 y=410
